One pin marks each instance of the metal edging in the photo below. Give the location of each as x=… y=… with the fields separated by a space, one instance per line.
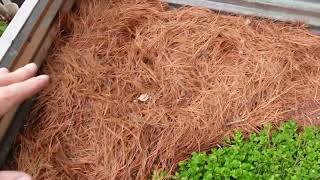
x=14 y=128
x=291 y=11
x=24 y=35
x=43 y=21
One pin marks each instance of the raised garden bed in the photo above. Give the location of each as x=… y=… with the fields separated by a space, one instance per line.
x=136 y=87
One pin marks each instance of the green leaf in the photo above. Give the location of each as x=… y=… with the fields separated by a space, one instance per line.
x=3 y=27
x=280 y=154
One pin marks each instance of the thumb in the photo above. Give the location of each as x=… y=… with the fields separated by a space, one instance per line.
x=14 y=175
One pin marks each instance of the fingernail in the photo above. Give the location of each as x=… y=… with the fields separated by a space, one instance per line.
x=24 y=178
x=4 y=69
x=31 y=66
x=43 y=77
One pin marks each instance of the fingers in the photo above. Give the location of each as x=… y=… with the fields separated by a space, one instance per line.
x=3 y=71
x=12 y=175
x=19 y=75
x=15 y=94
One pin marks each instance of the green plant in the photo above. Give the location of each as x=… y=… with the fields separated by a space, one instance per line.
x=281 y=154
x=3 y=26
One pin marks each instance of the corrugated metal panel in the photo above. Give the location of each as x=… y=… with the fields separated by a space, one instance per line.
x=307 y=11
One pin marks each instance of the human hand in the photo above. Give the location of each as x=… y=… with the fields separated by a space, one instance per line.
x=13 y=175
x=15 y=87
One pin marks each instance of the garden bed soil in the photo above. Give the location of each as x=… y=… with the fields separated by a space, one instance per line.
x=136 y=87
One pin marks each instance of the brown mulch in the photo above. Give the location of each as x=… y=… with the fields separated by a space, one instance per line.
x=201 y=75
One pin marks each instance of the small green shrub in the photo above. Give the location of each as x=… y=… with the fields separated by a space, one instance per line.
x=3 y=26
x=281 y=154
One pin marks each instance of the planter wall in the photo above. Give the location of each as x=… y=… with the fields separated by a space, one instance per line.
x=27 y=39
x=306 y=11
